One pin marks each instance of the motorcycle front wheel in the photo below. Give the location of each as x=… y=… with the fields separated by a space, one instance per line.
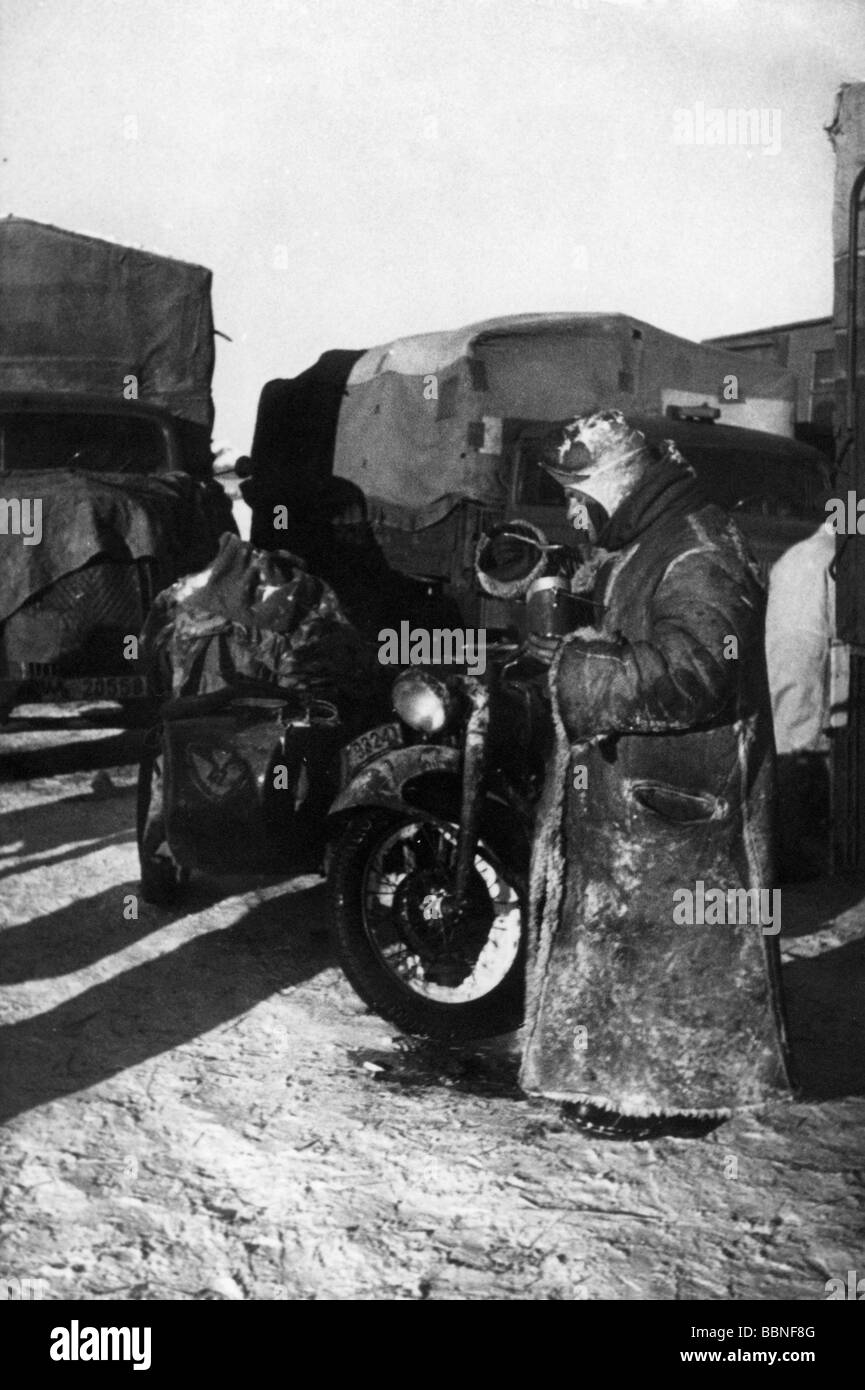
x=397 y=937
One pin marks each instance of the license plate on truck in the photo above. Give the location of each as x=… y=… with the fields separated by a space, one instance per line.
x=97 y=688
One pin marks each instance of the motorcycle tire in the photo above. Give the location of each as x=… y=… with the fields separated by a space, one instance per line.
x=498 y=1011
x=163 y=880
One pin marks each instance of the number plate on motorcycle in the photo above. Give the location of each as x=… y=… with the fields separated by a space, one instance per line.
x=369 y=745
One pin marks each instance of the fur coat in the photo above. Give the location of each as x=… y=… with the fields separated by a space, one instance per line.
x=661 y=779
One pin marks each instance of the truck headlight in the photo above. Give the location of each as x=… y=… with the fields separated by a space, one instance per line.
x=422 y=702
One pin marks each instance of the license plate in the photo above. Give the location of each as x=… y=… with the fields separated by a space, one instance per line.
x=98 y=688
x=368 y=746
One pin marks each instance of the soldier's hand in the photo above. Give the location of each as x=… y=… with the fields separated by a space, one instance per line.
x=543 y=649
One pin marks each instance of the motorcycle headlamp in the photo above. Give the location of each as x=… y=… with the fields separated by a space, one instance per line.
x=423 y=702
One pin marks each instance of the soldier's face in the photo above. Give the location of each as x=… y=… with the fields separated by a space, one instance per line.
x=601 y=489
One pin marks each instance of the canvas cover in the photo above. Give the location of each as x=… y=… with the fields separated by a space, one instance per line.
x=259 y=617
x=423 y=421
x=295 y=430
x=78 y=314
x=119 y=517
x=263 y=668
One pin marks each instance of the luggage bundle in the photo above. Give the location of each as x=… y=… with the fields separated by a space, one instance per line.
x=268 y=681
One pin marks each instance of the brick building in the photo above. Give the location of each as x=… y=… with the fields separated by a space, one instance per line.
x=807 y=348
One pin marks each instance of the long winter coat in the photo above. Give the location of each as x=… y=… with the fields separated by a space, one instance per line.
x=661 y=778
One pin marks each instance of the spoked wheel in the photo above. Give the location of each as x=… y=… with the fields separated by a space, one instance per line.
x=163 y=880
x=400 y=941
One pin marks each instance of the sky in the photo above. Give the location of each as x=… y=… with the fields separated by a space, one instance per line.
x=356 y=170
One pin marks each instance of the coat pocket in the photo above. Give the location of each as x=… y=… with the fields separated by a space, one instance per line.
x=677 y=806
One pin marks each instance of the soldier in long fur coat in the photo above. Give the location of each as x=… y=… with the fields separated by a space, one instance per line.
x=661 y=779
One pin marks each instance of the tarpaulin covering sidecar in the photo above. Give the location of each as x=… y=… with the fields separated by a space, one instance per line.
x=264 y=670
x=421 y=425
x=257 y=617
x=85 y=515
x=78 y=314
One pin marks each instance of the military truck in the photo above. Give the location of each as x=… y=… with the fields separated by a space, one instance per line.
x=439 y=433
x=106 y=485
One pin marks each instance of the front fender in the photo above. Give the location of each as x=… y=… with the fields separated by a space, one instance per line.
x=383 y=781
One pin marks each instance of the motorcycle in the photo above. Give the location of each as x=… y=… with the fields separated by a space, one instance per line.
x=432 y=828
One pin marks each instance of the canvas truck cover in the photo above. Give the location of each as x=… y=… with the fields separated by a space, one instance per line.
x=121 y=517
x=78 y=314
x=420 y=426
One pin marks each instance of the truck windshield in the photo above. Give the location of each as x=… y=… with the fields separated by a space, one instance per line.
x=737 y=481
x=99 y=443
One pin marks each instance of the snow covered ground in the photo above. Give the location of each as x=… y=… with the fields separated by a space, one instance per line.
x=197 y=1106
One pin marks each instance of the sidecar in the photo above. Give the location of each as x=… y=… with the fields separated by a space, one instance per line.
x=266 y=681
x=238 y=781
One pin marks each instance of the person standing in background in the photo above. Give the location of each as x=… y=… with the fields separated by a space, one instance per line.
x=800 y=621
